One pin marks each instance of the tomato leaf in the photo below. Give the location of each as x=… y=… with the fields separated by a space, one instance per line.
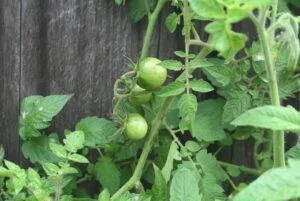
x=270 y=117
x=172 y=89
x=172 y=21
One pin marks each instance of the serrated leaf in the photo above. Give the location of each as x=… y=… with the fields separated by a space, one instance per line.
x=74 y=141
x=97 y=131
x=211 y=190
x=50 y=169
x=201 y=86
x=38 y=150
x=277 y=184
x=199 y=63
x=108 y=174
x=184 y=185
x=38 y=111
x=172 y=155
x=208 y=122
x=227 y=42
x=159 y=189
x=294 y=152
x=138 y=9
x=58 y=150
x=210 y=166
x=210 y=9
x=236 y=106
x=270 y=117
x=78 y=158
x=192 y=146
x=104 y=196
x=187 y=105
x=221 y=76
x=171 y=65
x=172 y=21
x=233 y=171
x=182 y=54
x=172 y=89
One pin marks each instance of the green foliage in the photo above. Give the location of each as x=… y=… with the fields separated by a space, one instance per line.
x=184 y=185
x=215 y=98
x=276 y=184
x=271 y=117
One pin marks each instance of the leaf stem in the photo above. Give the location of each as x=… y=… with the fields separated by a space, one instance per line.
x=187 y=33
x=152 y=21
x=252 y=171
x=146 y=150
x=278 y=136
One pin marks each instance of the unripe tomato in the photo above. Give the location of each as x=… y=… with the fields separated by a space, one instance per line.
x=151 y=75
x=139 y=96
x=136 y=127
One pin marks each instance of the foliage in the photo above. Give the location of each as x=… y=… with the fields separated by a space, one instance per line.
x=165 y=151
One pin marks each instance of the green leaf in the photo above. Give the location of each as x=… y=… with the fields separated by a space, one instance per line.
x=270 y=117
x=233 y=171
x=211 y=190
x=97 y=131
x=78 y=158
x=172 y=21
x=108 y=174
x=208 y=122
x=227 y=42
x=58 y=150
x=192 y=146
x=159 y=189
x=182 y=54
x=34 y=177
x=210 y=166
x=235 y=14
x=294 y=152
x=118 y=2
x=221 y=76
x=201 y=86
x=275 y=184
x=51 y=169
x=138 y=8
x=210 y=9
x=184 y=186
x=104 y=196
x=187 y=105
x=18 y=178
x=288 y=87
x=171 y=65
x=74 y=141
x=236 y=106
x=38 y=111
x=172 y=89
x=37 y=150
x=172 y=155
x=199 y=63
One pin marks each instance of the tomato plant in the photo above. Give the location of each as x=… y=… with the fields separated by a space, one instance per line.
x=183 y=130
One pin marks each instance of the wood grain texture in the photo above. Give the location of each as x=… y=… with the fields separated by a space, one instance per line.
x=76 y=47
x=9 y=76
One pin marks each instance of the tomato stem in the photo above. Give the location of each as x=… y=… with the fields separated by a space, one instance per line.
x=278 y=136
x=151 y=23
x=146 y=150
x=252 y=171
x=186 y=19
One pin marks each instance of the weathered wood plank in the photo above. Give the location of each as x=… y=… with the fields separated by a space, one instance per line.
x=77 y=47
x=9 y=76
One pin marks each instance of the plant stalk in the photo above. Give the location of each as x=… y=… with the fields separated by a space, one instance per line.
x=146 y=150
x=252 y=171
x=152 y=21
x=278 y=136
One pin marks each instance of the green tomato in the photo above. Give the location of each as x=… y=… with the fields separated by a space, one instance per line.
x=139 y=96
x=151 y=75
x=136 y=127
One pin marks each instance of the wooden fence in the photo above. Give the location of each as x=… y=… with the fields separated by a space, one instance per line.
x=72 y=46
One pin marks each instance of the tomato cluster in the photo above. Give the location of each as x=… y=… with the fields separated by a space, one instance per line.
x=151 y=76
